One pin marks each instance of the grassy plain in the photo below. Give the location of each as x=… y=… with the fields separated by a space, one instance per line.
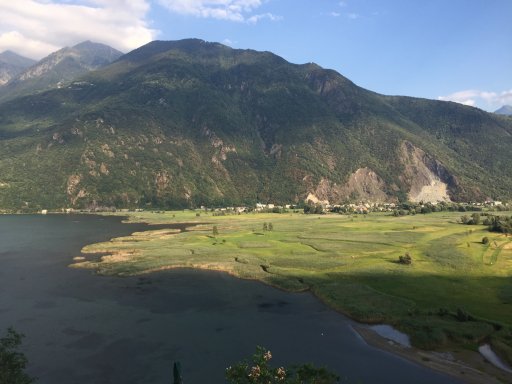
x=456 y=293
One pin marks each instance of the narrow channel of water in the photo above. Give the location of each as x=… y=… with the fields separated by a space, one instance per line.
x=390 y=333
x=487 y=352
x=82 y=328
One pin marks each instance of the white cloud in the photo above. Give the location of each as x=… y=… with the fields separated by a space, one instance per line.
x=35 y=28
x=482 y=99
x=335 y=14
x=255 y=18
x=233 y=10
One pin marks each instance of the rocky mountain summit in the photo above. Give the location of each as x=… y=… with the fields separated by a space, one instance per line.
x=11 y=64
x=504 y=110
x=58 y=68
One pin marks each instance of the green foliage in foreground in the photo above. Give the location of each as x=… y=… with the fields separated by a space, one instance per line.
x=456 y=292
x=12 y=362
x=259 y=371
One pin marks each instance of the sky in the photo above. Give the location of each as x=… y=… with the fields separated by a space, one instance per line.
x=457 y=50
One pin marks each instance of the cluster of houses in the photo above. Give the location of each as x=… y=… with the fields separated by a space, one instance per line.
x=358 y=208
x=361 y=207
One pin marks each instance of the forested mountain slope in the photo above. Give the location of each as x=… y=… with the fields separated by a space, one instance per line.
x=189 y=123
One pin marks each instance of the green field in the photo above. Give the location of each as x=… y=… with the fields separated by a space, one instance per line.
x=456 y=293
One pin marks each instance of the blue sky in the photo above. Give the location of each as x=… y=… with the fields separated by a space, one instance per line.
x=457 y=50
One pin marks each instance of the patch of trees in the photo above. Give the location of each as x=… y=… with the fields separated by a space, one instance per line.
x=408 y=208
x=12 y=362
x=502 y=224
x=474 y=219
x=268 y=227
x=405 y=259
x=313 y=209
x=462 y=315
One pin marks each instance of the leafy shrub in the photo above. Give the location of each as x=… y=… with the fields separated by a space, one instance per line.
x=405 y=259
x=313 y=209
x=12 y=362
x=259 y=371
x=463 y=315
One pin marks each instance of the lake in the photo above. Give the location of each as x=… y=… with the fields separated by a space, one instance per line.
x=85 y=328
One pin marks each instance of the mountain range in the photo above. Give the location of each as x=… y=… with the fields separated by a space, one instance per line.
x=189 y=123
x=58 y=68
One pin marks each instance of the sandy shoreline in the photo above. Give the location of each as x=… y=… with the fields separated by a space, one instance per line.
x=455 y=363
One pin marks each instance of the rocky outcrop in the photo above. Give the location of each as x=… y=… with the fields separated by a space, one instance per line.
x=365 y=185
x=362 y=185
x=426 y=178
x=162 y=180
x=73 y=190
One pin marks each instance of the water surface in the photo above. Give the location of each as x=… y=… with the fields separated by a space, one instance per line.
x=84 y=328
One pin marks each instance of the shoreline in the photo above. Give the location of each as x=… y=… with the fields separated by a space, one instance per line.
x=456 y=366
x=465 y=365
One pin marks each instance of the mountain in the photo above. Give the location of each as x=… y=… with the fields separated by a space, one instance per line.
x=190 y=123
x=505 y=110
x=59 y=68
x=11 y=64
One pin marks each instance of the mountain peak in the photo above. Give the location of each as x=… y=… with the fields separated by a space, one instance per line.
x=12 y=58
x=88 y=45
x=157 y=47
x=505 y=110
x=60 y=67
x=12 y=64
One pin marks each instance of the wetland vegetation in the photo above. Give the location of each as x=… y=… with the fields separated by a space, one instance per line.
x=455 y=293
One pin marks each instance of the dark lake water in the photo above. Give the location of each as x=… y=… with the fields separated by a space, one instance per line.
x=84 y=328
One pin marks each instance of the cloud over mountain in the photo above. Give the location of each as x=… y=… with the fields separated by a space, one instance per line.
x=36 y=28
x=473 y=97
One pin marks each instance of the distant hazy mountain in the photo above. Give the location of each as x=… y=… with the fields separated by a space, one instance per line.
x=191 y=123
x=59 y=68
x=11 y=64
x=505 y=110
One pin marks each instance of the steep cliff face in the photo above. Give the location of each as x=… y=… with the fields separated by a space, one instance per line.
x=426 y=178
x=362 y=185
